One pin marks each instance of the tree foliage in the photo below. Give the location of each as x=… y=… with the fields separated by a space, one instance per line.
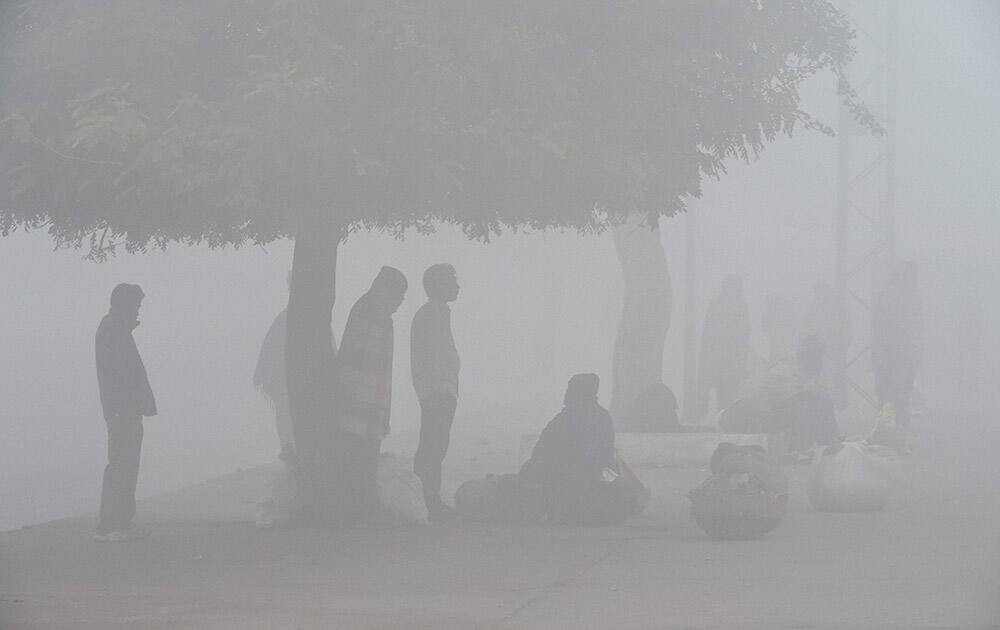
x=139 y=122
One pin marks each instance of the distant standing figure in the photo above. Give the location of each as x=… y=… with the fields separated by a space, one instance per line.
x=269 y=378
x=778 y=326
x=434 y=364
x=897 y=340
x=125 y=398
x=823 y=320
x=364 y=394
x=725 y=342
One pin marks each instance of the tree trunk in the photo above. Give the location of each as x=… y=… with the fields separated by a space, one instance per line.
x=309 y=360
x=638 y=354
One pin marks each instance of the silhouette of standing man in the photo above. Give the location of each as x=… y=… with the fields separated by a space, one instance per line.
x=898 y=340
x=434 y=363
x=364 y=394
x=125 y=397
x=725 y=341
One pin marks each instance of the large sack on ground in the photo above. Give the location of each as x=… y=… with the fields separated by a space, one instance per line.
x=400 y=493
x=283 y=501
x=851 y=477
x=746 y=415
x=493 y=499
x=746 y=496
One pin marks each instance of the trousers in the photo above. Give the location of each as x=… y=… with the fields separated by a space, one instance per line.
x=121 y=473
x=437 y=412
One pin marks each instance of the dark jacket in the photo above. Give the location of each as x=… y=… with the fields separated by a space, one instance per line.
x=121 y=376
x=573 y=448
x=269 y=377
x=364 y=369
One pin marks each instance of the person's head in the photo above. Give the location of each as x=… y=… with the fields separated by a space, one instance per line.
x=441 y=282
x=126 y=299
x=581 y=390
x=810 y=356
x=389 y=287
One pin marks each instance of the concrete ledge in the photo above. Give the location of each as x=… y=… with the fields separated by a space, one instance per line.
x=664 y=449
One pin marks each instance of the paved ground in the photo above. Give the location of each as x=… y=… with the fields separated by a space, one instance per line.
x=931 y=560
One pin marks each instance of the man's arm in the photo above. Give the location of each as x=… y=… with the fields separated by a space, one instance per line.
x=425 y=352
x=111 y=376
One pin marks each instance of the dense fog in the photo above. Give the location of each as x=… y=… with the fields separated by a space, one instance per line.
x=536 y=307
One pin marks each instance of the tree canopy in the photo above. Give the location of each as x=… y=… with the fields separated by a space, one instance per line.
x=140 y=123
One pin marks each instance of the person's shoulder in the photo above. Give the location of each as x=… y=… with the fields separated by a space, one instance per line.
x=105 y=326
x=361 y=306
x=427 y=311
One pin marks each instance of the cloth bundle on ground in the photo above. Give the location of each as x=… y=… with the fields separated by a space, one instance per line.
x=512 y=498
x=400 y=493
x=851 y=477
x=283 y=503
x=746 y=415
x=745 y=497
x=887 y=431
x=401 y=498
x=789 y=399
x=493 y=499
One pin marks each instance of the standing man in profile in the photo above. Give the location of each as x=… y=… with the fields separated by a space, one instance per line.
x=434 y=364
x=126 y=398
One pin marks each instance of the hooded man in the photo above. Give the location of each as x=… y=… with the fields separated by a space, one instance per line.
x=364 y=393
x=434 y=364
x=125 y=398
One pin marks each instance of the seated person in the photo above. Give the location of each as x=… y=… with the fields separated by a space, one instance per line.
x=654 y=411
x=807 y=417
x=789 y=400
x=572 y=470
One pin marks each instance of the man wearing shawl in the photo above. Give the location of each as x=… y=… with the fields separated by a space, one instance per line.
x=364 y=393
x=573 y=462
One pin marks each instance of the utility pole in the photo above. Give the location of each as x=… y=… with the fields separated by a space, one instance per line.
x=866 y=193
x=690 y=311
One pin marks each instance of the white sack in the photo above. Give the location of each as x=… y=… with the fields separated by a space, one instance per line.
x=400 y=493
x=854 y=478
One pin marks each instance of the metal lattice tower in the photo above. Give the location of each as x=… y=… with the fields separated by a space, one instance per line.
x=866 y=164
